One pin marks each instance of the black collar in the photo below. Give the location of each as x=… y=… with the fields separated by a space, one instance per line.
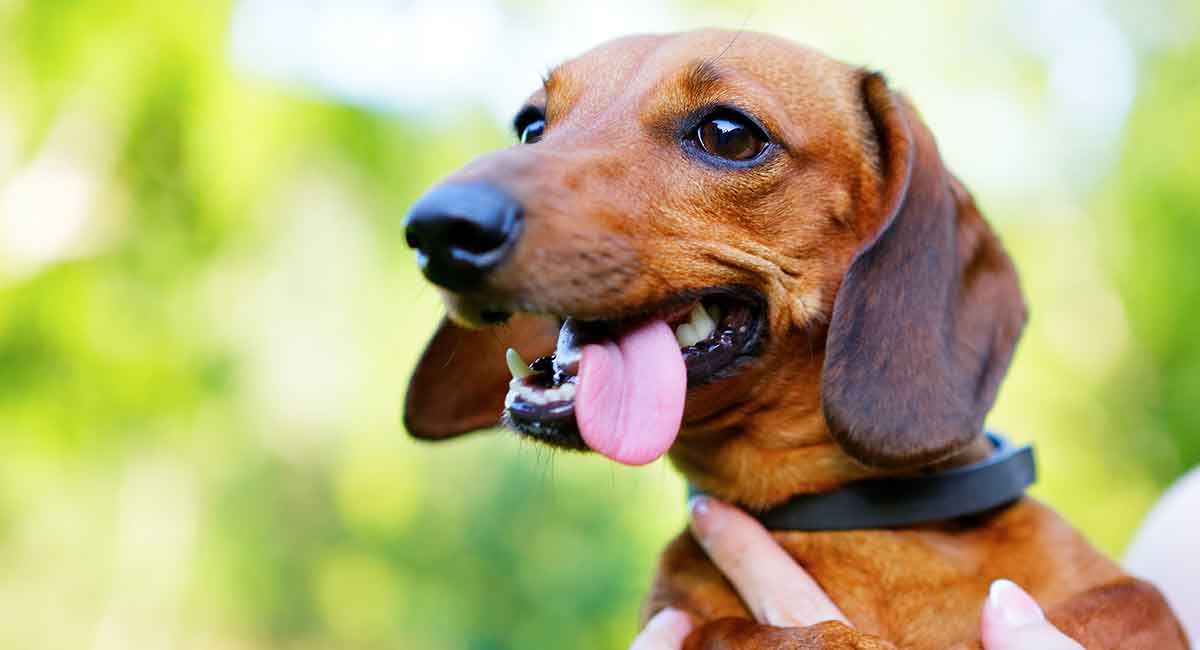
x=890 y=502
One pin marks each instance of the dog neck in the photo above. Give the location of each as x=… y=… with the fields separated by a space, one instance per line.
x=774 y=442
x=759 y=470
x=998 y=479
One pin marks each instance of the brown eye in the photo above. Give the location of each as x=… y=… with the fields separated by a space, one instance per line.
x=533 y=131
x=731 y=137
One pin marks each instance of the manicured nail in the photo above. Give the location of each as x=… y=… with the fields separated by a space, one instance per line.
x=699 y=505
x=1016 y=608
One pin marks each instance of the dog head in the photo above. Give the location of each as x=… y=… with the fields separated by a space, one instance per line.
x=838 y=307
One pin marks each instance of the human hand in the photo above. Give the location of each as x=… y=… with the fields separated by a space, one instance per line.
x=779 y=592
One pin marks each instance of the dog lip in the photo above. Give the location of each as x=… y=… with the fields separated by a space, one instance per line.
x=671 y=309
x=735 y=341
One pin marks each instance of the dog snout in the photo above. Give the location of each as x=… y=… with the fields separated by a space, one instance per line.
x=463 y=231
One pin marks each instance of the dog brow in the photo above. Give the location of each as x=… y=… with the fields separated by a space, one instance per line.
x=702 y=77
x=550 y=79
x=695 y=84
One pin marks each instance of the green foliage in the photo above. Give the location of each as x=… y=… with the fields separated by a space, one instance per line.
x=1155 y=229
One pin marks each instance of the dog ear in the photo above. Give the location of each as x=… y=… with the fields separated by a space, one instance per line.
x=460 y=382
x=928 y=314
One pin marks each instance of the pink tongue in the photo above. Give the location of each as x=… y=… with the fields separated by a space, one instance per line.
x=631 y=392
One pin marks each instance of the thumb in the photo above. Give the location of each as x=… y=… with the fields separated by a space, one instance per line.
x=1012 y=620
x=666 y=630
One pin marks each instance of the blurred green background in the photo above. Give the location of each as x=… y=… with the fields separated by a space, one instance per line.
x=208 y=316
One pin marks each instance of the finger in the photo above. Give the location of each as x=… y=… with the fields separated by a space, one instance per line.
x=776 y=589
x=666 y=630
x=1012 y=620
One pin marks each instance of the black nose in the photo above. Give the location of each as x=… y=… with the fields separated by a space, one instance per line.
x=461 y=232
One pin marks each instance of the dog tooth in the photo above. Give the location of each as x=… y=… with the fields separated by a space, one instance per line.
x=567 y=350
x=701 y=322
x=714 y=312
x=691 y=335
x=562 y=393
x=517 y=365
x=684 y=334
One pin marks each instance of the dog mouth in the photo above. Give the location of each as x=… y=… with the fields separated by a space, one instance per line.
x=617 y=386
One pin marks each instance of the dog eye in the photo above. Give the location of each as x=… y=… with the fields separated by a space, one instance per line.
x=530 y=125
x=533 y=131
x=732 y=137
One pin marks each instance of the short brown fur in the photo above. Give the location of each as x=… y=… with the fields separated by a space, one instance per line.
x=893 y=313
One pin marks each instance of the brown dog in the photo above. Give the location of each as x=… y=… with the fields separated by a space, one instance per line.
x=844 y=312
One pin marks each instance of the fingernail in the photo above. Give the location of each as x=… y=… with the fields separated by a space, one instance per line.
x=666 y=629
x=1016 y=608
x=701 y=508
x=672 y=618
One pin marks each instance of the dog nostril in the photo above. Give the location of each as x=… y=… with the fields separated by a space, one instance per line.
x=462 y=232
x=473 y=237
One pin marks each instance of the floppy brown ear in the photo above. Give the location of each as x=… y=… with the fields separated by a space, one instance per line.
x=928 y=314
x=460 y=382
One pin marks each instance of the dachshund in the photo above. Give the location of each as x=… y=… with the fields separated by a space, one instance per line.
x=748 y=256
